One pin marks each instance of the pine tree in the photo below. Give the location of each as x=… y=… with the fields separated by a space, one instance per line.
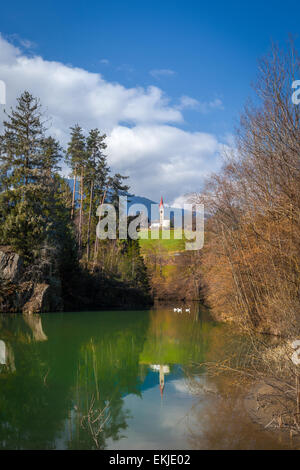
x=52 y=155
x=77 y=158
x=34 y=201
x=60 y=234
x=96 y=175
x=117 y=188
x=23 y=169
x=134 y=268
x=22 y=159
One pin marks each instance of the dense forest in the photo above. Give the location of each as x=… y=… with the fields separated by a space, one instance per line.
x=50 y=257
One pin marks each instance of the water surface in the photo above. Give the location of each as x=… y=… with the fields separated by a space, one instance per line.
x=119 y=380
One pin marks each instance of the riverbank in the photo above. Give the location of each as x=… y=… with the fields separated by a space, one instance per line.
x=264 y=405
x=260 y=367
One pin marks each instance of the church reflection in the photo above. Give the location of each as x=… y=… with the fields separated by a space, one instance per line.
x=162 y=370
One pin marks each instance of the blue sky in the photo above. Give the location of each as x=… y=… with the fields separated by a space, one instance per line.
x=198 y=58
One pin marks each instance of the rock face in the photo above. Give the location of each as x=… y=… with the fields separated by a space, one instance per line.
x=40 y=301
x=18 y=295
x=11 y=265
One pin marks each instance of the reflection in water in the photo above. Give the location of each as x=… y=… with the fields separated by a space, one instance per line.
x=3 y=358
x=35 y=324
x=123 y=380
x=225 y=424
x=7 y=359
x=162 y=371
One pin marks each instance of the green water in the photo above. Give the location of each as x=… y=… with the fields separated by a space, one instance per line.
x=118 y=380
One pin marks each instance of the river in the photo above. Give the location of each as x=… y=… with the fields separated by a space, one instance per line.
x=120 y=380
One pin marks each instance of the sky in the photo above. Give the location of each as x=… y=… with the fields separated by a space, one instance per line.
x=165 y=80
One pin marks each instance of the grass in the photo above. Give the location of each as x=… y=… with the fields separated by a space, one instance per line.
x=174 y=244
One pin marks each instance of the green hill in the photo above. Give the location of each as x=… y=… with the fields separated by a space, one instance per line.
x=171 y=245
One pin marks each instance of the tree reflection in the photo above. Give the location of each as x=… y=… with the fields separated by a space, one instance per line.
x=87 y=366
x=225 y=424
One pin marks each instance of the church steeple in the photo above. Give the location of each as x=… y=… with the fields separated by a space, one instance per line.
x=161 y=380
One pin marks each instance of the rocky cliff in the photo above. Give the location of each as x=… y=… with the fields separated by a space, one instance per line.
x=20 y=294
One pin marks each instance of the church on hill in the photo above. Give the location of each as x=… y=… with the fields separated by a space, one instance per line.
x=162 y=223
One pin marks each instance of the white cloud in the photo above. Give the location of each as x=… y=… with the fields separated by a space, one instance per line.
x=144 y=140
x=157 y=73
x=163 y=159
x=179 y=201
x=186 y=102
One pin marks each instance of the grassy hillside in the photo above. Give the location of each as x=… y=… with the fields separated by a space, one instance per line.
x=171 y=245
x=169 y=265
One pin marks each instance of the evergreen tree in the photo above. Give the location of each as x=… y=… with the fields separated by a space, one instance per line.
x=22 y=160
x=52 y=155
x=117 y=188
x=34 y=202
x=96 y=176
x=23 y=167
x=134 y=268
x=60 y=234
x=77 y=158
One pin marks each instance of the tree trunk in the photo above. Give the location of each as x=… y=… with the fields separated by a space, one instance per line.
x=73 y=197
x=81 y=210
x=89 y=223
x=96 y=241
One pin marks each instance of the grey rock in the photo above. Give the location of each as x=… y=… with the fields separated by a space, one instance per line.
x=40 y=300
x=26 y=296
x=11 y=265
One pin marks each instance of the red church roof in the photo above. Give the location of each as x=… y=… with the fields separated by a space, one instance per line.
x=161 y=202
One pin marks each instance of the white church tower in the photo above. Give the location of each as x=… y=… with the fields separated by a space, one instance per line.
x=162 y=223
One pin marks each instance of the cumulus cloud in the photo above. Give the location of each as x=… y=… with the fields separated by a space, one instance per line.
x=163 y=159
x=144 y=137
